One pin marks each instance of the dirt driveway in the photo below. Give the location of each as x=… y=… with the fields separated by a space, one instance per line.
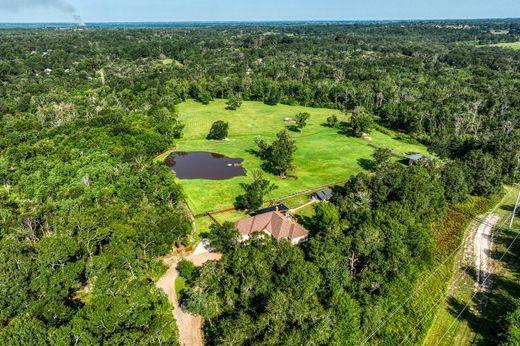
x=189 y=326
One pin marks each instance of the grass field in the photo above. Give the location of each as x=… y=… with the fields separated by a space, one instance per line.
x=480 y=322
x=512 y=45
x=323 y=157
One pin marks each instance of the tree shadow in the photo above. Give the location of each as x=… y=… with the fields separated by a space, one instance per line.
x=293 y=128
x=367 y=164
x=308 y=223
x=345 y=129
x=508 y=207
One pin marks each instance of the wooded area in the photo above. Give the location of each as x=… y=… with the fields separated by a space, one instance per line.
x=85 y=213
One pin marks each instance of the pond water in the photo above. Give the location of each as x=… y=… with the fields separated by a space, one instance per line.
x=204 y=165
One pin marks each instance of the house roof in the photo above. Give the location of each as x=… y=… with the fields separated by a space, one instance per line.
x=323 y=195
x=278 y=207
x=414 y=157
x=279 y=226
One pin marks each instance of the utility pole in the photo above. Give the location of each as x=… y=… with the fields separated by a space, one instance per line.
x=514 y=210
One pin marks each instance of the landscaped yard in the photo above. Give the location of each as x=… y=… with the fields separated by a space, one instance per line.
x=324 y=156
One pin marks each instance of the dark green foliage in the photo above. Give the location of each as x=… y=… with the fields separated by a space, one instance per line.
x=224 y=238
x=281 y=153
x=218 y=131
x=278 y=156
x=483 y=172
x=83 y=213
x=513 y=320
x=364 y=255
x=332 y=121
x=361 y=122
x=255 y=192
x=301 y=120
x=326 y=216
x=382 y=156
x=187 y=270
x=455 y=185
x=234 y=102
x=25 y=103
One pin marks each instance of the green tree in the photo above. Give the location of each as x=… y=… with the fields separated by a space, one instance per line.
x=218 y=131
x=326 y=216
x=255 y=192
x=281 y=153
x=224 y=238
x=187 y=270
x=332 y=121
x=381 y=156
x=361 y=122
x=456 y=188
x=483 y=173
x=301 y=120
x=234 y=103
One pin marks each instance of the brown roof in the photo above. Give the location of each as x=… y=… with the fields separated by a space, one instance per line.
x=279 y=226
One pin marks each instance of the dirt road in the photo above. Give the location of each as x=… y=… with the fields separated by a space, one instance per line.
x=189 y=326
x=482 y=245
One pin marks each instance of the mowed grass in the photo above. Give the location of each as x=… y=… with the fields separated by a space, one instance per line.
x=512 y=45
x=323 y=156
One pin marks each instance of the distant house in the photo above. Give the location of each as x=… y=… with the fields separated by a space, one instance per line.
x=279 y=207
x=275 y=224
x=413 y=158
x=322 y=195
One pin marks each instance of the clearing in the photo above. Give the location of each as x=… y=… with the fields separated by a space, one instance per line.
x=484 y=277
x=512 y=45
x=323 y=157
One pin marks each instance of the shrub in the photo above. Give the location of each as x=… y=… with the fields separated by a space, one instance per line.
x=218 y=131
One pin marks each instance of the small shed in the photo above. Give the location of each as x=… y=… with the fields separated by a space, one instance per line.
x=323 y=195
x=413 y=158
x=288 y=120
x=279 y=207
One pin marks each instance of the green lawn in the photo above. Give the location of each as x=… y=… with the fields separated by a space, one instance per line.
x=180 y=284
x=512 y=45
x=323 y=157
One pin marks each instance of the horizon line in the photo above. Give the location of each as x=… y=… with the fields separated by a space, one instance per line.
x=266 y=20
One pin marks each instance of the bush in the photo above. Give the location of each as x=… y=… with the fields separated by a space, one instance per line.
x=219 y=130
x=234 y=103
x=187 y=270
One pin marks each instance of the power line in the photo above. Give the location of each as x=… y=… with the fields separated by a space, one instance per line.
x=474 y=294
x=392 y=314
x=442 y=297
x=455 y=280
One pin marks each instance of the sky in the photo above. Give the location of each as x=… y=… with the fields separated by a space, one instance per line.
x=251 y=10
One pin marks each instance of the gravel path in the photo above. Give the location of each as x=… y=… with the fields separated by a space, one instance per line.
x=482 y=246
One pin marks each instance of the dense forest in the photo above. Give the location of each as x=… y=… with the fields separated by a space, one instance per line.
x=85 y=213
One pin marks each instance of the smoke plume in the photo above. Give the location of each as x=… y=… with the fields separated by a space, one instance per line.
x=62 y=5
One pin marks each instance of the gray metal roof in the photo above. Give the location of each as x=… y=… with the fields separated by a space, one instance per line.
x=414 y=157
x=323 y=195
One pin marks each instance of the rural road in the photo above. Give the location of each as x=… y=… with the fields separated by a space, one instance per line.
x=482 y=244
x=189 y=326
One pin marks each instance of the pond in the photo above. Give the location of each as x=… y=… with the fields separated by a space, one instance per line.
x=204 y=165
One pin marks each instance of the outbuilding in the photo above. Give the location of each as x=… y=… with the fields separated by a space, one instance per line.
x=413 y=158
x=323 y=195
